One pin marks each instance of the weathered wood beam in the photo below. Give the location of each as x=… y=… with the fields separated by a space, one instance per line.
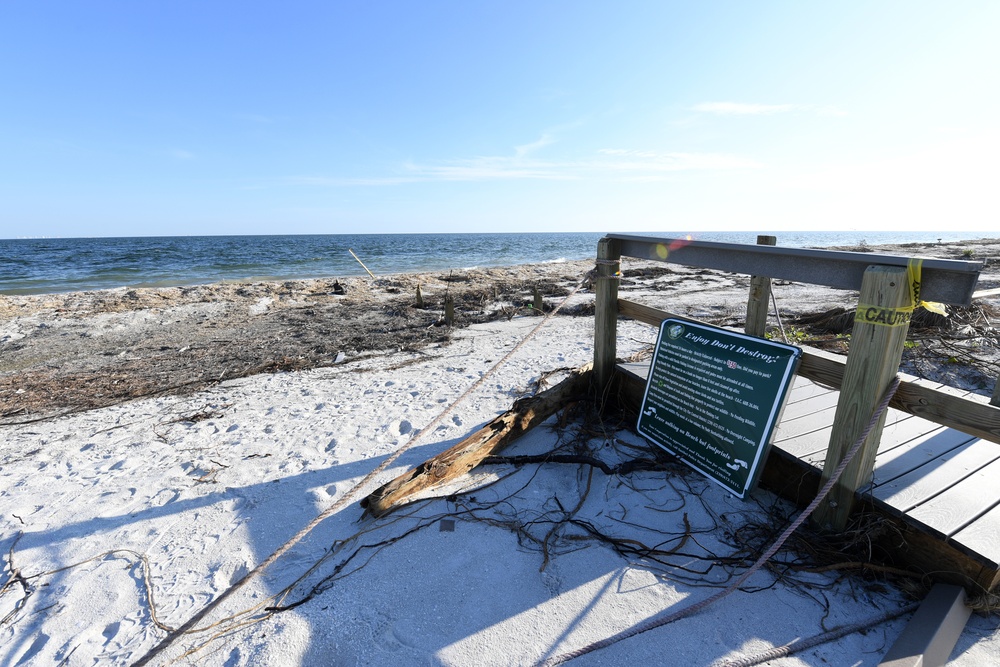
x=876 y=350
x=946 y=280
x=606 y=313
x=487 y=441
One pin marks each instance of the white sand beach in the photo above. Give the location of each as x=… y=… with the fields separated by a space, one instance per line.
x=119 y=523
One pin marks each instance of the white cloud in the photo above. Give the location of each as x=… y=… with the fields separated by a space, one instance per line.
x=649 y=161
x=526 y=149
x=488 y=169
x=744 y=109
x=606 y=164
x=741 y=109
x=528 y=162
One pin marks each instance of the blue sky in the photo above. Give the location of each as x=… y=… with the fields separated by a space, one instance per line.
x=136 y=118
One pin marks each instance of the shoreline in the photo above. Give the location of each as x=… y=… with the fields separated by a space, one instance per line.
x=79 y=350
x=327 y=263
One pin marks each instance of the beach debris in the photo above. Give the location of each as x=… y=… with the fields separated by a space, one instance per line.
x=487 y=441
x=261 y=306
x=339 y=289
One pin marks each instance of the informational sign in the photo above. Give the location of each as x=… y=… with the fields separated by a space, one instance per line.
x=713 y=398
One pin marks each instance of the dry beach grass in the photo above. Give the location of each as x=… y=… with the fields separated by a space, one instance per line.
x=77 y=351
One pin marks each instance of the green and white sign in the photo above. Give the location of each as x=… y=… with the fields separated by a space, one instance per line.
x=713 y=398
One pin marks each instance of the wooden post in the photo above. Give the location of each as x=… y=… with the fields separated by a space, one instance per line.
x=606 y=312
x=449 y=309
x=995 y=400
x=760 y=293
x=420 y=297
x=876 y=350
x=538 y=306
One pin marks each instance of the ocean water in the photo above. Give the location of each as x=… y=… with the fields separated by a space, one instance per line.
x=41 y=266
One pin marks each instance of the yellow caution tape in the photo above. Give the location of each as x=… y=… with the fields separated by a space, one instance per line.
x=898 y=317
x=913 y=268
x=886 y=317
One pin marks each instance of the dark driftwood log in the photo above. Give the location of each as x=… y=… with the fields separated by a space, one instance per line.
x=490 y=439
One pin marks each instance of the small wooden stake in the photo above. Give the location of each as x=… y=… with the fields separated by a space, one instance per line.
x=760 y=293
x=490 y=439
x=420 y=298
x=873 y=362
x=538 y=306
x=449 y=309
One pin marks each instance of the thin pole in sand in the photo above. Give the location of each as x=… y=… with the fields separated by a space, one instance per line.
x=360 y=262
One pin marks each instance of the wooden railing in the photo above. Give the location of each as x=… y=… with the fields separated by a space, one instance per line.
x=876 y=349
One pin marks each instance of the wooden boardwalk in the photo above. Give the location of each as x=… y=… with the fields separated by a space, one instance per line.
x=938 y=484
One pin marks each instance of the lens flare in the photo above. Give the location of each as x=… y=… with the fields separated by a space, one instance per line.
x=680 y=243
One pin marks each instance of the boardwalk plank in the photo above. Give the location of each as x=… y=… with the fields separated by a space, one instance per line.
x=983 y=536
x=950 y=511
x=903 y=493
x=804 y=388
x=799 y=407
x=807 y=443
x=897 y=461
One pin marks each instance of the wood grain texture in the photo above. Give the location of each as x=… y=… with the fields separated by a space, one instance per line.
x=803 y=388
x=949 y=512
x=606 y=313
x=982 y=537
x=871 y=366
x=916 y=452
x=490 y=439
x=812 y=405
x=760 y=295
x=808 y=445
x=906 y=491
